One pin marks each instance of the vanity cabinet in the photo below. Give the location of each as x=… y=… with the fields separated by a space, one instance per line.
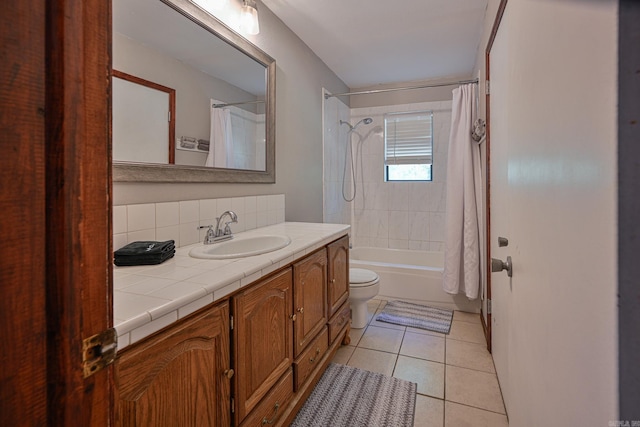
x=263 y=346
x=310 y=295
x=338 y=274
x=249 y=360
x=179 y=377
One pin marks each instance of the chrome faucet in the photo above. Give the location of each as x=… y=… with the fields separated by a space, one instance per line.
x=217 y=234
x=227 y=229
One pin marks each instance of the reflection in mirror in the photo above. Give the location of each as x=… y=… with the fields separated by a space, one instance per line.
x=143 y=120
x=224 y=107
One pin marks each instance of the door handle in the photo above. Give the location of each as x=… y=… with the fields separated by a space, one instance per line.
x=499 y=265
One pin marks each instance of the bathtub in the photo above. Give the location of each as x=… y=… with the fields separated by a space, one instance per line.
x=411 y=276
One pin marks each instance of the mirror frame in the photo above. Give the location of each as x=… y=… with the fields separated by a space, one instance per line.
x=140 y=172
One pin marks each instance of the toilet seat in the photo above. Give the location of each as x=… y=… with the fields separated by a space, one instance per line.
x=359 y=277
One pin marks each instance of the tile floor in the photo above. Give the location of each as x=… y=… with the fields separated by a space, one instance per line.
x=457 y=383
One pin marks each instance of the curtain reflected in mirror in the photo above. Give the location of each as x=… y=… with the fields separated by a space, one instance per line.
x=237 y=137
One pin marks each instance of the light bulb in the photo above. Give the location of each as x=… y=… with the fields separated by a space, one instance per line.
x=249 y=18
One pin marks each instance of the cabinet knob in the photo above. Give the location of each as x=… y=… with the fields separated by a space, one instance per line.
x=332 y=281
x=301 y=310
x=293 y=317
x=229 y=373
x=315 y=357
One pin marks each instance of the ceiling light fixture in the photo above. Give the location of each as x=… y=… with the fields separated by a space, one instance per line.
x=249 y=18
x=211 y=5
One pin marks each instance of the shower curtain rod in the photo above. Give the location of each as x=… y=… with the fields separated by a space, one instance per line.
x=367 y=92
x=231 y=104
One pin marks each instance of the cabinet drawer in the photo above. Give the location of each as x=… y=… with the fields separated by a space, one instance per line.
x=273 y=404
x=339 y=321
x=308 y=360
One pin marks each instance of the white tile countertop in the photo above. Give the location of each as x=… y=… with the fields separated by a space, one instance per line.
x=151 y=297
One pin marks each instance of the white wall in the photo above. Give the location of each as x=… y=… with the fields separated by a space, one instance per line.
x=562 y=179
x=300 y=77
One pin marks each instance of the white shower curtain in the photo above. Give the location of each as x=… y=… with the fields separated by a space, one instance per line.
x=220 y=138
x=464 y=199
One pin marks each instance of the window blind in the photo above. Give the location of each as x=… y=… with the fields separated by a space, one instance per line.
x=408 y=138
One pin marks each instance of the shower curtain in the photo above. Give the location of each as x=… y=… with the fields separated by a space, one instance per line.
x=464 y=199
x=220 y=138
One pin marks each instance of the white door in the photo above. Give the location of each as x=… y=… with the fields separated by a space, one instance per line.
x=552 y=195
x=499 y=205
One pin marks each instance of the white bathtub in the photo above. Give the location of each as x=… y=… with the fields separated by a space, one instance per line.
x=410 y=276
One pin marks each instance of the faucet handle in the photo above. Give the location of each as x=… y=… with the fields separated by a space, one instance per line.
x=227 y=227
x=208 y=238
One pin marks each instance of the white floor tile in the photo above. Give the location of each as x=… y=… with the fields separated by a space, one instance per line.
x=373 y=360
x=423 y=346
x=473 y=388
x=469 y=355
x=429 y=412
x=428 y=375
x=465 y=331
x=382 y=339
x=456 y=415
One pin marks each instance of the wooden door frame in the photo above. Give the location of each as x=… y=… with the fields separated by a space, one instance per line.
x=492 y=37
x=78 y=198
x=56 y=205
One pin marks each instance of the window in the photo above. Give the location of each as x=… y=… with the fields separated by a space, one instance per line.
x=408 y=141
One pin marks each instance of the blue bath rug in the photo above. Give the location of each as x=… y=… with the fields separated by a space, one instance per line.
x=417 y=316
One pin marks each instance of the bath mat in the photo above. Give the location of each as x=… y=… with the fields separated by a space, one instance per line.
x=416 y=315
x=352 y=397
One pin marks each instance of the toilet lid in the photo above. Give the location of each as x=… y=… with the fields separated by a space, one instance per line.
x=361 y=277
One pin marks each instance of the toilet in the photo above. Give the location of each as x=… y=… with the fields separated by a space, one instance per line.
x=363 y=285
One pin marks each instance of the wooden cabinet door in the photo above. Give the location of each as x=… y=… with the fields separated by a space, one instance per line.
x=263 y=339
x=338 y=272
x=310 y=294
x=177 y=378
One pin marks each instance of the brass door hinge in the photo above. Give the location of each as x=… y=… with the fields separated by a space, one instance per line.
x=99 y=351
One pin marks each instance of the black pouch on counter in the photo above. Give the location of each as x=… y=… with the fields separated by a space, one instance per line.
x=144 y=253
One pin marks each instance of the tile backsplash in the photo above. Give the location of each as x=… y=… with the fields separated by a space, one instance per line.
x=179 y=220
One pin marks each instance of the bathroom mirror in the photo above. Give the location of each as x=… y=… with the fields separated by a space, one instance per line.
x=218 y=77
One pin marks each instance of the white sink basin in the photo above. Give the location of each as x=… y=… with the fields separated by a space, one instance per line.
x=241 y=247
